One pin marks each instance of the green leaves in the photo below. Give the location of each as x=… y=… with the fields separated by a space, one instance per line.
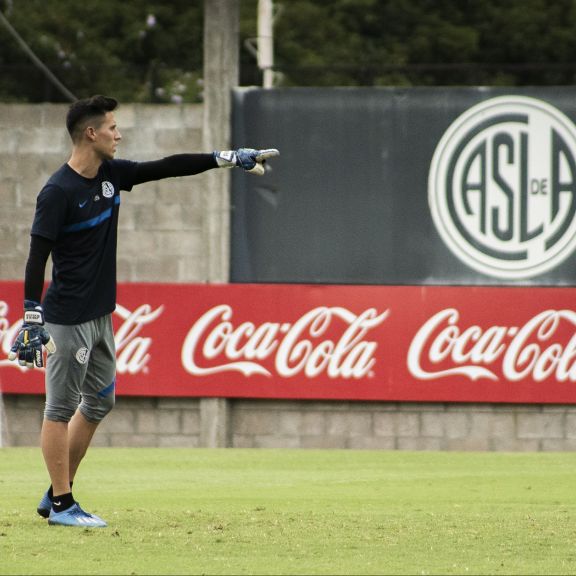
x=152 y=50
x=137 y=50
x=425 y=42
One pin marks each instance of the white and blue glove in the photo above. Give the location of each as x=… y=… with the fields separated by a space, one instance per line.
x=247 y=158
x=32 y=336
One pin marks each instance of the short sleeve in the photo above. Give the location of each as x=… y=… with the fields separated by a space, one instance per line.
x=125 y=172
x=51 y=211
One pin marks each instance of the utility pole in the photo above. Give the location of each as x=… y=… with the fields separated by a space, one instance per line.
x=221 y=76
x=266 y=41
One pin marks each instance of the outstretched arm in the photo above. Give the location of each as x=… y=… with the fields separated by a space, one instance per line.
x=189 y=164
x=172 y=166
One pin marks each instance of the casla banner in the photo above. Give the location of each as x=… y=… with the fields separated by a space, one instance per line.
x=457 y=186
x=385 y=343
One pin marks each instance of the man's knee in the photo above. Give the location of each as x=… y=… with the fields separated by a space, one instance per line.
x=61 y=412
x=95 y=408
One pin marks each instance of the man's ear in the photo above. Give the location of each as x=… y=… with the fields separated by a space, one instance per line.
x=91 y=133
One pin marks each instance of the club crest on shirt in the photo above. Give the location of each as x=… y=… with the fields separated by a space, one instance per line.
x=107 y=189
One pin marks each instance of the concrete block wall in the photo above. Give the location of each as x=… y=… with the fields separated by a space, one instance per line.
x=186 y=423
x=170 y=231
x=162 y=224
x=402 y=426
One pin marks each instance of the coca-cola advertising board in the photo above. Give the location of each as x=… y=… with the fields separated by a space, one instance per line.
x=381 y=343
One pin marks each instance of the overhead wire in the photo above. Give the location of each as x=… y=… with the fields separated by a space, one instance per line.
x=37 y=62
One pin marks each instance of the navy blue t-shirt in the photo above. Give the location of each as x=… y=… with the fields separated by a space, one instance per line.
x=81 y=216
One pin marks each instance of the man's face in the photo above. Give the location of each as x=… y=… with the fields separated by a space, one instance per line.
x=107 y=137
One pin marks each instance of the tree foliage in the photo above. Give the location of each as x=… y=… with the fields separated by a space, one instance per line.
x=152 y=50
x=139 y=50
x=426 y=42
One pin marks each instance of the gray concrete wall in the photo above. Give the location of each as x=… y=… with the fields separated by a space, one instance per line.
x=162 y=224
x=329 y=425
x=165 y=232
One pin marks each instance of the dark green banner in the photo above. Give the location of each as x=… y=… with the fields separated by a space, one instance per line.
x=407 y=186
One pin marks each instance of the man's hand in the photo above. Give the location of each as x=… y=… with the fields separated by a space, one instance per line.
x=247 y=158
x=32 y=336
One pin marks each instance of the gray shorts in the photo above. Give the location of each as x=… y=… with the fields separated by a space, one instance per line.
x=82 y=371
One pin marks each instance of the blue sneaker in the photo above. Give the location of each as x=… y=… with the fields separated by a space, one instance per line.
x=75 y=516
x=45 y=506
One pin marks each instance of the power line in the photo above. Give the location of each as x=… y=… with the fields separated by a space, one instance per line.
x=35 y=59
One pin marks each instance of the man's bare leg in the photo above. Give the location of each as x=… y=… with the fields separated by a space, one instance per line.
x=55 y=449
x=80 y=433
x=64 y=445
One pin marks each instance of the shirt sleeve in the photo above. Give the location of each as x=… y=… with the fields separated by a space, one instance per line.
x=40 y=249
x=125 y=171
x=173 y=166
x=51 y=210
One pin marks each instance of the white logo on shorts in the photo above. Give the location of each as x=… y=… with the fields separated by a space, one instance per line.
x=82 y=355
x=107 y=189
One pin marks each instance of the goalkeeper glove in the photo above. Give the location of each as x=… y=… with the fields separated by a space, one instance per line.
x=251 y=160
x=28 y=344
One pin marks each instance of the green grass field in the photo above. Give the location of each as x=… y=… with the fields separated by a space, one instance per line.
x=179 y=511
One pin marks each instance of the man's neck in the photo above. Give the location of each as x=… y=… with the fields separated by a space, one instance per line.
x=85 y=162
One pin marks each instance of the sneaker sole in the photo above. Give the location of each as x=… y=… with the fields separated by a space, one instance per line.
x=50 y=523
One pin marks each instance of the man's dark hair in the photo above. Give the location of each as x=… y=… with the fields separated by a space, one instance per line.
x=82 y=112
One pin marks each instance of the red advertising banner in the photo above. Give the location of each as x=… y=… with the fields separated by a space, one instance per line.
x=388 y=343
